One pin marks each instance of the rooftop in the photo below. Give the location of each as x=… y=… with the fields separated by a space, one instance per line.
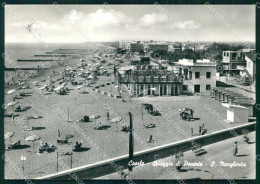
x=189 y=62
x=251 y=55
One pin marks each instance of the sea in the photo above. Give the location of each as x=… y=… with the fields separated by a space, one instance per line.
x=14 y=51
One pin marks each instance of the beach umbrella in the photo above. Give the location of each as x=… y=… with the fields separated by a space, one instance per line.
x=11 y=92
x=94 y=116
x=23 y=87
x=67 y=136
x=34 y=117
x=79 y=87
x=33 y=138
x=90 y=77
x=12 y=104
x=116 y=120
x=9 y=135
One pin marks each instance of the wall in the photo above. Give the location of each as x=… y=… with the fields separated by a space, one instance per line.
x=250 y=66
x=202 y=81
x=111 y=165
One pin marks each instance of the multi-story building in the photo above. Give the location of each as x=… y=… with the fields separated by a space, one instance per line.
x=136 y=46
x=233 y=63
x=124 y=45
x=199 y=75
x=157 y=46
x=151 y=79
x=250 y=58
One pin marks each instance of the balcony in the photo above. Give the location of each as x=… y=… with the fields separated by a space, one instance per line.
x=151 y=78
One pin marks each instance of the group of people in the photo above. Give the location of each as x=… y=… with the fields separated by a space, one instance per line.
x=202 y=130
x=46 y=147
x=78 y=145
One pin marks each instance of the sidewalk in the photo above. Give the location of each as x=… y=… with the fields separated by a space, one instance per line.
x=217 y=153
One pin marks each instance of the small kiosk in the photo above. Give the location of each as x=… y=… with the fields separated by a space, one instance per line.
x=237 y=113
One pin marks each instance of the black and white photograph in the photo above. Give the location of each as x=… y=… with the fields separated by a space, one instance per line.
x=130 y=92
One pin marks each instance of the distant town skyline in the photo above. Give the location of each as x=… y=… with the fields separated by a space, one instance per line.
x=98 y=23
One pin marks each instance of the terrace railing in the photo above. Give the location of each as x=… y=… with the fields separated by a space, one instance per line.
x=150 y=78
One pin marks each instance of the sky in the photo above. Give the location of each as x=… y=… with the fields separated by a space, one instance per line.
x=95 y=23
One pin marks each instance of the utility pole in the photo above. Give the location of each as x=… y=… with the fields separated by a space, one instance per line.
x=142 y=112
x=71 y=160
x=131 y=142
x=68 y=113
x=57 y=161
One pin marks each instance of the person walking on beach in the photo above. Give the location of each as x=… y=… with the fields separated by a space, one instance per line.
x=107 y=115
x=200 y=130
x=58 y=133
x=235 y=149
x=13 y=117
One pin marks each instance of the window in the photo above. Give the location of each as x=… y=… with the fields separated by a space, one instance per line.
x=165 y=90
x=208 y=75
x=197 y=75
x=208 y=87
x=190 y=75
x=224 y=53
x=227 y=54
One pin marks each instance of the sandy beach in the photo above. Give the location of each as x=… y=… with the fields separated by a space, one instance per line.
x=54 y=110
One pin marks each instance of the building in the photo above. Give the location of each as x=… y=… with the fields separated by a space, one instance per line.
x=233 y=63
x=141 y=61
x=157 y=46
x=124 y=45
x=136 y=46
x=199 y=75
x=250 y=58
x=151 y=79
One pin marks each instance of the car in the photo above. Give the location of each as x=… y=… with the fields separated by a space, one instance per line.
x=186 y=113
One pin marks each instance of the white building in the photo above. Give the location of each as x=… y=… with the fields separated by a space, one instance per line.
x=199 y=75
x=124 y=45
x=250 y=69
x=233 y=62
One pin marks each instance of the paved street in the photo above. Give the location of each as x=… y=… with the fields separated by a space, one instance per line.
x=221 y=151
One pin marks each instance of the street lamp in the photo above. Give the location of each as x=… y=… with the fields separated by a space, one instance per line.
x=153 y=89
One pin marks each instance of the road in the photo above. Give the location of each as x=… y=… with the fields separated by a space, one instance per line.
x=217 y=153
